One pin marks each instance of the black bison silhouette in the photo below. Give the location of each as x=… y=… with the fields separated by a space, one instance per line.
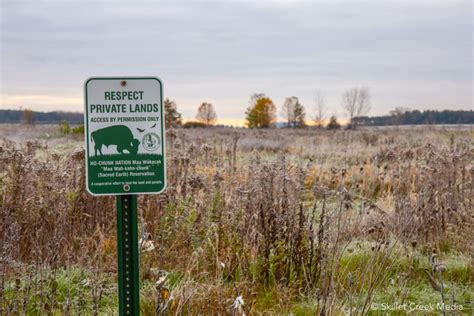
x=119 y=135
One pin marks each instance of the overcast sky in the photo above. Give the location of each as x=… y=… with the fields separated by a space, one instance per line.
x=415 y=54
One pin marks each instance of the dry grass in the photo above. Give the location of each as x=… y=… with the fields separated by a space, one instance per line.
x=292 y=221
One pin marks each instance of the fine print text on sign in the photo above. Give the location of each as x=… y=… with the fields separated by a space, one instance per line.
x=124 y=134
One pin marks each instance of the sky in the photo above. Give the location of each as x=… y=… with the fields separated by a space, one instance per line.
x=413 y=54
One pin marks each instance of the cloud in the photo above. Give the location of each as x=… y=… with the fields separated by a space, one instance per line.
x=407 y=52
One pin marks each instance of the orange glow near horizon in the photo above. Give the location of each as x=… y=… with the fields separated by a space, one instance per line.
x=241 y=122
x=225 y=121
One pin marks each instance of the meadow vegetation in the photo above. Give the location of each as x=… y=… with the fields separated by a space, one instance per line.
x=253 y=222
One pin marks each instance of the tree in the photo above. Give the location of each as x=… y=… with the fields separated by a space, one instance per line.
x=206 y=114
x=320 y=110
x=294 y=112
x=356 y=102
x=397 y=115
x=172 y=116
x=300 y=114
x=261 y=113
x=333 y=123
x=28 y=117
x=288 y=110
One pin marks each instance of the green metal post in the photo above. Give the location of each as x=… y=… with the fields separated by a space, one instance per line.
x=128 y=269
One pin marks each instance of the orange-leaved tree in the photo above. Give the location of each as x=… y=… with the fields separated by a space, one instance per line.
x=261 y=113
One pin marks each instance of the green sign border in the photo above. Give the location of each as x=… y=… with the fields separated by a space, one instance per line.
x=86 y=134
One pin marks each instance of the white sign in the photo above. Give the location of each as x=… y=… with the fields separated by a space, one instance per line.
x=124 y=127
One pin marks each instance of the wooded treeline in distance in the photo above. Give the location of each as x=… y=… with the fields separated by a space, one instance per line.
x=33 y=117
x=418 y=118
x=414 y=117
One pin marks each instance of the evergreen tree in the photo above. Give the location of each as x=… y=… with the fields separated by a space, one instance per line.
x=333 y=123
x=172 y=116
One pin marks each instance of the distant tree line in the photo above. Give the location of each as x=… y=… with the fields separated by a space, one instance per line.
x=32 y=117
x=262 y=114
x=415 y=117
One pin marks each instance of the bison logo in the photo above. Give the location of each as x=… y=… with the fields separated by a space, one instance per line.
x=119 y=135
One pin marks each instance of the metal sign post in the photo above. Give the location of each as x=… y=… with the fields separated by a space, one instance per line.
x=125 y=156
x=127 y=243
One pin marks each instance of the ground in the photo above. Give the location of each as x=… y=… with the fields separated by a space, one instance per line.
x=274 y=222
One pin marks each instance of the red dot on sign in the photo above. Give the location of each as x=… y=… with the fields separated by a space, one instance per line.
x=123 y=83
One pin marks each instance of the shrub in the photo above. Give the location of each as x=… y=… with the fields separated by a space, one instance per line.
x=64 y=127
x=78 y=130
x=193 y=124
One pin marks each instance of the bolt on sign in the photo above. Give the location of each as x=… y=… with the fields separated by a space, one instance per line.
x=124 y=136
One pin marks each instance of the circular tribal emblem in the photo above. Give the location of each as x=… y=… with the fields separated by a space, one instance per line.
x=151 y=141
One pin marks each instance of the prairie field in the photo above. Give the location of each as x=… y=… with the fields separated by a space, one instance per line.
x=254 y=222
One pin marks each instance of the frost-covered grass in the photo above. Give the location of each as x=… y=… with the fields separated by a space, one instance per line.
x=283 y=221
